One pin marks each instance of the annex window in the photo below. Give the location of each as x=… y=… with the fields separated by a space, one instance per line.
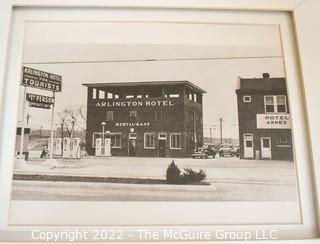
x=158 y=115
x=283 y=142
x=149 y=140
x=269 y=104
x=247 y=99
x=109 y=115
x=281 y=104
x=133 y=114
x=275 y=104
x=175 y=141
x=94 y=93
x=115 y=140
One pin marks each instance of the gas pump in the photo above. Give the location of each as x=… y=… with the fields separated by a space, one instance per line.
x=98 y=152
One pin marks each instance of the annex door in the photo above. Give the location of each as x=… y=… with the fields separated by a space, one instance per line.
x=132 y=147
x=266 y=148
x=248 y=146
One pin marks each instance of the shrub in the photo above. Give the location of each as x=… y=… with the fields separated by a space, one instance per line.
x=173 y=174
x=189 y=176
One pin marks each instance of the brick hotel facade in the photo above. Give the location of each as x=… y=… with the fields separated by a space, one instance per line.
x=264 y=119
x=146 y=119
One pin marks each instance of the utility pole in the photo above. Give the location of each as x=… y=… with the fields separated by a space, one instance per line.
x=28 y=118
x=211 y=135
x=221 y=130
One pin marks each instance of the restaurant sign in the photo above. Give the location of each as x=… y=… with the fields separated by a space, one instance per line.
x=41 y=79
x=273 y=121
x=133 y=124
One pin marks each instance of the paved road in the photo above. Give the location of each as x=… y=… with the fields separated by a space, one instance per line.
x=231 y=179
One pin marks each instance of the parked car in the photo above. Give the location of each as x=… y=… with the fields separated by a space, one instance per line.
x=211 y=151
x=205 y=152
x=200 y=153
x=236 y=151
x=226 y=150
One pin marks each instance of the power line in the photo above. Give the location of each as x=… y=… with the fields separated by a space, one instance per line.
x=149 y=60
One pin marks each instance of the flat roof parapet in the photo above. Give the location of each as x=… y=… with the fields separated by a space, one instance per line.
x=144 y=83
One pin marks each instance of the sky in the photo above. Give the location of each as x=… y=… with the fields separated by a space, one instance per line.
x=212 y=56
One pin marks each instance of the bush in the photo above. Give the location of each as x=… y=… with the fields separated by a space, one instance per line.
x=189 y=176
x=173 y=174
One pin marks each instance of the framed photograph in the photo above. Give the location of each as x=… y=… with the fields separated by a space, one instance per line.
x=139 y=121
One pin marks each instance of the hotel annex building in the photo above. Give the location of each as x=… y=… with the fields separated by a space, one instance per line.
x=146 y=119
x=264 y=119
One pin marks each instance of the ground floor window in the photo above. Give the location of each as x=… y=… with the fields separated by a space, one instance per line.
x=175 y=141
x=283 y=142
x=114 y=136
x=149 y=140
x=115 y=140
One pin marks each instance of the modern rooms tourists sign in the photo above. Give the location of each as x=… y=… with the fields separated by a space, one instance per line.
x=273 y=121
x=41 y=79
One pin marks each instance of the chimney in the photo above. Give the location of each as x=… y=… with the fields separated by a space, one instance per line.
x=266 y=75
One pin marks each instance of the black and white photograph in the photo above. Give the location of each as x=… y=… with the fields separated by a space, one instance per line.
x=130 y=111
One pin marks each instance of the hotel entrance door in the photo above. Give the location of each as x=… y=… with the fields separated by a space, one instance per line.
x=162 y=144
x=162 y=148
x=132 y=144
x=132 y=147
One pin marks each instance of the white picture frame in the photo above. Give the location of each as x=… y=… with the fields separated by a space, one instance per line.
x=304 y=14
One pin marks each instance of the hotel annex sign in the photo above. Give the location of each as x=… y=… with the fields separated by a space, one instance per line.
x=135 y=103
x=273 y=121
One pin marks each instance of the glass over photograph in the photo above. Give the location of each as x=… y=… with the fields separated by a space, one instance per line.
x=129 y=111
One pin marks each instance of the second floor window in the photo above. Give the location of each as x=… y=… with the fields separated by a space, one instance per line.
x=158 y=115
x=109 y=115
x=133 y=114
x=275 y=104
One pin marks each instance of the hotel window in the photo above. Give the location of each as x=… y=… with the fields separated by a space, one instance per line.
x=133 y=114
x=94 y=93
x=149 y=140
x=275 y=104
x=115 y=140
x=109 y=115
x=102 y=94
x=175 y=141
x=158 y=115
x=247 y=99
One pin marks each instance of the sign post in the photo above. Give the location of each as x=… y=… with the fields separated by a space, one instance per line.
x=51 y=141
x=22 y=123
x=45 y=81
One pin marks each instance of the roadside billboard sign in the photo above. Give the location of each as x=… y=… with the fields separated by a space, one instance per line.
x=41 y=79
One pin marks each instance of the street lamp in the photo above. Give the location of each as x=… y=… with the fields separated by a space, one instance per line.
x=103 y=124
